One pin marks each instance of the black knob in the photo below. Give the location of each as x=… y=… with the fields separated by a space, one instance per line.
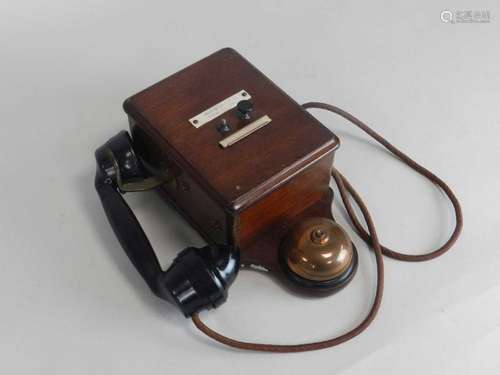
x=244 y=108
x=224 y=126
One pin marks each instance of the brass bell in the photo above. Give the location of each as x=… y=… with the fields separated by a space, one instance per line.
x=319 y=251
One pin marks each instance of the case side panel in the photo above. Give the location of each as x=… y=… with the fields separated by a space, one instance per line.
x=185 y=194
x=305 y=189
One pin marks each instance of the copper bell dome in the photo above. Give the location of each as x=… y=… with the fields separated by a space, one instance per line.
x=319 y=251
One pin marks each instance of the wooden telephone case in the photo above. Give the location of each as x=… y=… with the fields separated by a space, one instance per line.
x=248 y=194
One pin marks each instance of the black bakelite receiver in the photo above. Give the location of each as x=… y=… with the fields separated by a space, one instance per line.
x=198 y=277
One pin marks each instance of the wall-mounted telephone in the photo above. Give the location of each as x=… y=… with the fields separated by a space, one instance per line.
x=249 y=168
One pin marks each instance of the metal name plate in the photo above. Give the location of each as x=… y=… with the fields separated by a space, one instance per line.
x=218 y=109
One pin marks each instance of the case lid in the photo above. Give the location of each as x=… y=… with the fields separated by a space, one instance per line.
x=184 y=111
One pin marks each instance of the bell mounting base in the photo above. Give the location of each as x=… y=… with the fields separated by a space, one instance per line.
x=262 y=253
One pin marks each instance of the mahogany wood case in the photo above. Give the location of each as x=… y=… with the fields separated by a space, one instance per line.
x=250 y=193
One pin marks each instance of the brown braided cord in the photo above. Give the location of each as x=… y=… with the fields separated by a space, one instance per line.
x=346 y=190
x=412 y=164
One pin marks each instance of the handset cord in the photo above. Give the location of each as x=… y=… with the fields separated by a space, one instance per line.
x=346 y=190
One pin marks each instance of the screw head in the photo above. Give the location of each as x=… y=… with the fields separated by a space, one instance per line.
x=223 y=127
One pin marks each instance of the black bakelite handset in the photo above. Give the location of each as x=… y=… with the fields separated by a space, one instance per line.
x=198 y=277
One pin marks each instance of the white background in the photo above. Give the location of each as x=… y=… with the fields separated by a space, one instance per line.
x=71 y=303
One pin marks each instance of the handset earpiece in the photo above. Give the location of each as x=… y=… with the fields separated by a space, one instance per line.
x=198 y=278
